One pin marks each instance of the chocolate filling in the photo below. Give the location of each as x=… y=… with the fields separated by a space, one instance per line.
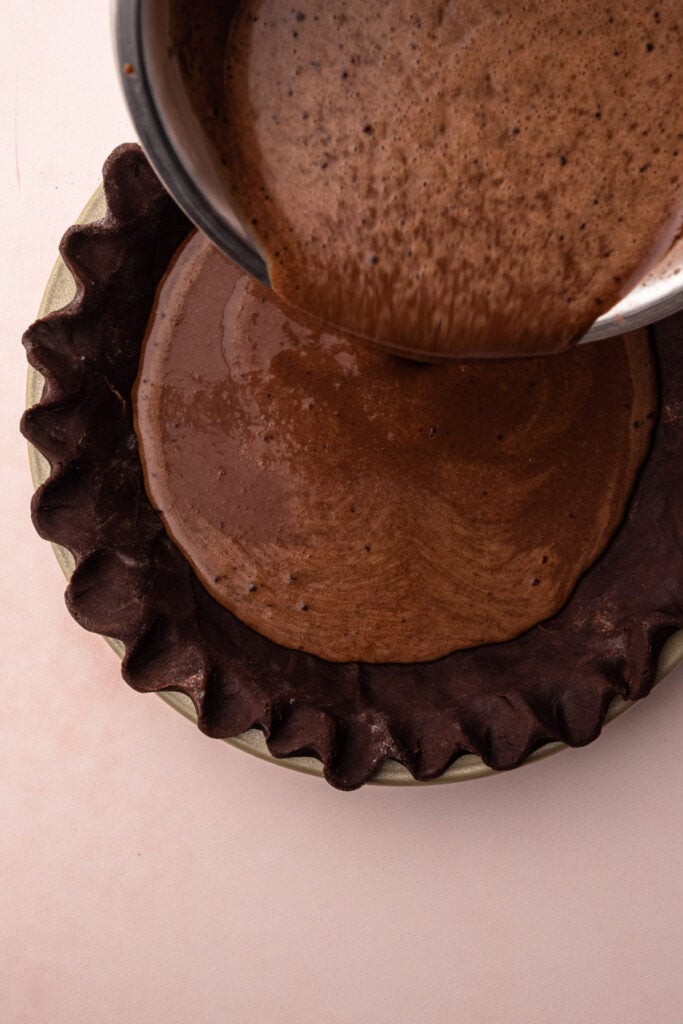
x=501 y=701
x=491 y=175
x=365 y=508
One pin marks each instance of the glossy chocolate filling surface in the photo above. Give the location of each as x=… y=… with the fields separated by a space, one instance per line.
x=491 y=175
x=361 y=507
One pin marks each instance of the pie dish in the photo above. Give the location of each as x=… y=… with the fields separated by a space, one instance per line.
x=500 y=702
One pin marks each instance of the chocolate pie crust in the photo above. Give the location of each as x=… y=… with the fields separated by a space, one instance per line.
x=501 y=702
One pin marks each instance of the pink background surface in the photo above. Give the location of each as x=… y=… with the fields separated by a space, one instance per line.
x=152 y=875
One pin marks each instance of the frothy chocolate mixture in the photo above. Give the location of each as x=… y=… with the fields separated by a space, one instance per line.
x=345 y=502
x=475 y=176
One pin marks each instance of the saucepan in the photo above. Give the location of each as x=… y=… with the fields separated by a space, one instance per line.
x=176 y=143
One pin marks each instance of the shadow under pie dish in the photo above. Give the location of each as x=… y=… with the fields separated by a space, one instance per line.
x=499 y=700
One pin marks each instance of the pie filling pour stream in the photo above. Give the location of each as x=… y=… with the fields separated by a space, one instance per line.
x=491 y=175
x=364 y=508
x=500 y=701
